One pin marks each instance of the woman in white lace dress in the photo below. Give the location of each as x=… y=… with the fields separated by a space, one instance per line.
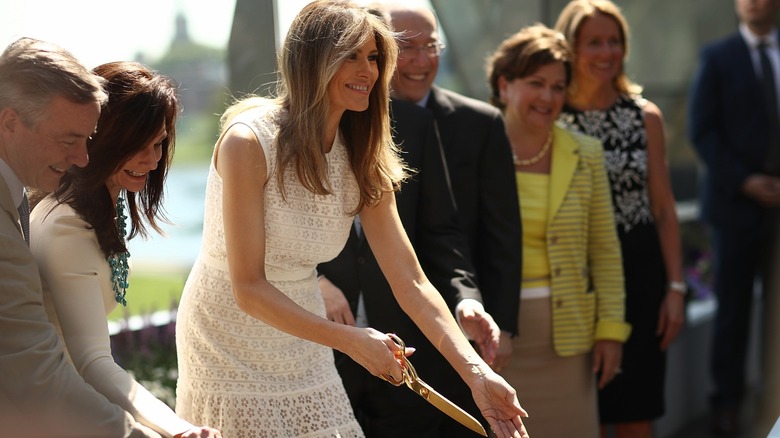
x=287 y=177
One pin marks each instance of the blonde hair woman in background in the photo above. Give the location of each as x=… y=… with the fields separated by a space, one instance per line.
x=603 y=102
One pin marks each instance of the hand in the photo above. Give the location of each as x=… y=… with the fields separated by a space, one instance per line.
x=377 y=353
x=498 y=403
x=336 y=304
x=199 y=432
x=607 y=356
x=480 y=327
x=763 y=188
x=504 y=352
x=671 y=318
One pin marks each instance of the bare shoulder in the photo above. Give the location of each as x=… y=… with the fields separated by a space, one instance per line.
x=651 y=112
x=654 y=126
x=239 y=147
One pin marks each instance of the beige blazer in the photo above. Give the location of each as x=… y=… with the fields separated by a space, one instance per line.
x=77 y=296
x=41 y=394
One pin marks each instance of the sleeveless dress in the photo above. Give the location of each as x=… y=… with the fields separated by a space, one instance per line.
x=636 y=394
x=237 y=373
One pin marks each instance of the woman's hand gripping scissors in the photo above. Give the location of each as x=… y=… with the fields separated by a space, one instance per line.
x=425 y=391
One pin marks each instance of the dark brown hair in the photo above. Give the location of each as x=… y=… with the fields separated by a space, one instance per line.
x=141 y=104
x=523 y=53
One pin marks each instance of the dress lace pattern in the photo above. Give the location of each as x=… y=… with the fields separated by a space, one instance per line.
x=621 y=128
x=237 y=373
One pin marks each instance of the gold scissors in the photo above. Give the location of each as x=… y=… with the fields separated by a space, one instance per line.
x=431 y=395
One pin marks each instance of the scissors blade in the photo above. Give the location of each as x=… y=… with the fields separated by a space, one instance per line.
x=441 y=403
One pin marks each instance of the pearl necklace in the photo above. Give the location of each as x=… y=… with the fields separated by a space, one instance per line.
x=118 y=262
x=535 y=159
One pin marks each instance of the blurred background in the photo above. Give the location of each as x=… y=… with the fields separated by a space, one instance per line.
x=222 y=49
x=219 y=50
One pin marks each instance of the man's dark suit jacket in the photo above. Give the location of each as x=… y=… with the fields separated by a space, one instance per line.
x=428 y=216
x=728 y=122
x=479 y=159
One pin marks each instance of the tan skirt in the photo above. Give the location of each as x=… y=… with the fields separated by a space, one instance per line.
x=559 y=393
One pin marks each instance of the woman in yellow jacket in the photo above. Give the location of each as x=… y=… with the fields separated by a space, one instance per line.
x=572 y=322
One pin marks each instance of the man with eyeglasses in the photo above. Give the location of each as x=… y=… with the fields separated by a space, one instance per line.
x=408 y=51
x=479 y=160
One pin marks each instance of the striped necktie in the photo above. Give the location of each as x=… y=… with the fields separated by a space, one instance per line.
x=24 y=218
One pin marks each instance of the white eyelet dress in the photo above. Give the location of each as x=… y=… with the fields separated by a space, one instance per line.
x=237 y=373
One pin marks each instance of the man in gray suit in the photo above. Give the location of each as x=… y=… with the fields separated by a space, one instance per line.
x=49 y=106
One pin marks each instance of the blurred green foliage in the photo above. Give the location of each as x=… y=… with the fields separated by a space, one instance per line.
x=150 y=292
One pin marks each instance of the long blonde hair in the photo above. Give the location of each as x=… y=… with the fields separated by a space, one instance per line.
x=321 y=37
x=571 y=20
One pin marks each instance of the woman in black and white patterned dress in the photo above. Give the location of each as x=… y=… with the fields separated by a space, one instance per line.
x=604 y=103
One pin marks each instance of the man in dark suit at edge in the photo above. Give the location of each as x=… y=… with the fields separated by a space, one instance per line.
x=733 y=124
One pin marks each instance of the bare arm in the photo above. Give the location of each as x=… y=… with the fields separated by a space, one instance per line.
x=672 y=312
x=418 y=298
x=241 y=163
x=414 y=292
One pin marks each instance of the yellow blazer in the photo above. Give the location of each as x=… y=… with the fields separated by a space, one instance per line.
x=583 y=251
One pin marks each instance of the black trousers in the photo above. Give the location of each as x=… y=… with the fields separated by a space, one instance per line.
x=741 y=256
x=384 y=410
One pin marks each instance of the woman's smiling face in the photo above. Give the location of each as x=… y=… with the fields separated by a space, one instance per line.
x=537 y=99
x=351 y=86
x=599 y=49
x=133 y=174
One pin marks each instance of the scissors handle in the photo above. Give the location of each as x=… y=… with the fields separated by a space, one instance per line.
x=409 y=373
x=388 y=377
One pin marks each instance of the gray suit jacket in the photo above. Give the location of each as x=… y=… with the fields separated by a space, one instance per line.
x=41 y=394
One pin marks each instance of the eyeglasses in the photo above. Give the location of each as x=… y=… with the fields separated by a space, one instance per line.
x=431 y=50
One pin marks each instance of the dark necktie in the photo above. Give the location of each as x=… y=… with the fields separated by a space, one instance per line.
x=24 y=218
x=770 y=94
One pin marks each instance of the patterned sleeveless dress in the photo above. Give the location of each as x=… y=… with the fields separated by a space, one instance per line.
x=621 y=128
x=237 y=373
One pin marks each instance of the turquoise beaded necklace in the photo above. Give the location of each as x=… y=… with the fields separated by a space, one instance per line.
x=118 y=262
